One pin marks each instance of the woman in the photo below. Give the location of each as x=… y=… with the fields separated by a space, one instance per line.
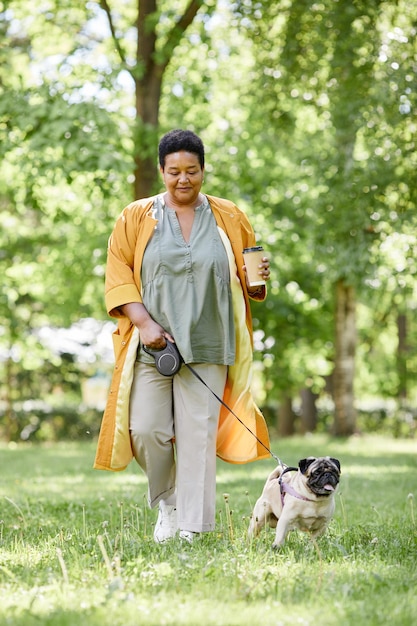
x=175 y=273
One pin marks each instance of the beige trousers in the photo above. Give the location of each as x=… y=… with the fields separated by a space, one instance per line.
x=164 y=407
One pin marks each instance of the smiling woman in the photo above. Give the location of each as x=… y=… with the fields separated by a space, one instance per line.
x=176 y=273
x=183 y=177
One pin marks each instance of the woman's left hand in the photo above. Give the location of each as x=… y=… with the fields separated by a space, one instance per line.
x=264 y=272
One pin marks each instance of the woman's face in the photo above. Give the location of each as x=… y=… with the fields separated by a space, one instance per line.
x=183 y=177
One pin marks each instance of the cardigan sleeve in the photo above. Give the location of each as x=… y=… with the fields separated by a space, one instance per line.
x=120 y=284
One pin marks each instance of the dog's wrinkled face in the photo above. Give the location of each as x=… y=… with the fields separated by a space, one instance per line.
x=322 y=474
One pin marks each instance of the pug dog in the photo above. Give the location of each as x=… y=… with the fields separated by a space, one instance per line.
x=303 y=500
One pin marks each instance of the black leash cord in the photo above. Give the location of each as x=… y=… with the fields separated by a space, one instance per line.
x=233 y=413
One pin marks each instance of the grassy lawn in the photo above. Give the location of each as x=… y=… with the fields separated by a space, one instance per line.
x=76 y=545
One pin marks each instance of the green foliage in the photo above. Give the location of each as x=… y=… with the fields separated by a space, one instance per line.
x=307 y=111
x=328 y=189
x=77 y=547
x=63 y=170
x=38 y=422
x=297 y=141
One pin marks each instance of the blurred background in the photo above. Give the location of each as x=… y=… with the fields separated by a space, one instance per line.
x=308 y=114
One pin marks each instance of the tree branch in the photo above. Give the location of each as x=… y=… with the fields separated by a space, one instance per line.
x=146 y=36
x=106 y=8
x=179 y=29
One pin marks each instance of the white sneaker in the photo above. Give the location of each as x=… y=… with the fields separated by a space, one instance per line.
x=188 y=535
x=166 y=524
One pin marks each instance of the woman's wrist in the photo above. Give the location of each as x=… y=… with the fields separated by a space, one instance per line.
x=136 y=312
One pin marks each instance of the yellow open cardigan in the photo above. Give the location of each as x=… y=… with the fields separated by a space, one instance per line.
x=127 y=244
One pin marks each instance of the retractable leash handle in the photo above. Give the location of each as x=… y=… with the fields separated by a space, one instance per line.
x=168 y=360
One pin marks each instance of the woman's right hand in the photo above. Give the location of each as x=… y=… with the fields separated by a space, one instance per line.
x=152 y=335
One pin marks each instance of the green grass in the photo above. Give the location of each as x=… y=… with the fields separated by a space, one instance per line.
x=76 y=545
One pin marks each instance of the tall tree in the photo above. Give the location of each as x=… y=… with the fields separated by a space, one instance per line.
x=155 y=46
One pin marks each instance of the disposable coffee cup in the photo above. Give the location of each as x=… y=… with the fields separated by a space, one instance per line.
x=253 y=258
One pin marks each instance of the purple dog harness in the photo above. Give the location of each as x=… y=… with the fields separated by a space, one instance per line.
x=286 y=487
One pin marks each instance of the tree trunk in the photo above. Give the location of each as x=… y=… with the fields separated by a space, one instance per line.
x=9 y=431
x=402 y=357
x=148 y=80
x=344 y=368
x=308 y=410
x=147 y=73
x=286 y=418
x=148 y=93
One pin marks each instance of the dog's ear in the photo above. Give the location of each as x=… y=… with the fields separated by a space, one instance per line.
x=304 y=464
x=336 y=462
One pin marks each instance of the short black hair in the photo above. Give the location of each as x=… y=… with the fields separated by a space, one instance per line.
x=177 y=140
